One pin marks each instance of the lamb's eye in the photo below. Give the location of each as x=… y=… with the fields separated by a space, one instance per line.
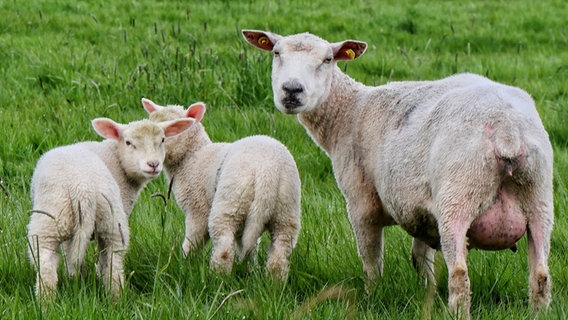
x=327 y=60
x=128 y=143
x=163 y=139
x=276 y=54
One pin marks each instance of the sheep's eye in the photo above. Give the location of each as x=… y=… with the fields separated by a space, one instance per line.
x=276 y=54
x=327 y=60
x=128 y=143
x=163 y=139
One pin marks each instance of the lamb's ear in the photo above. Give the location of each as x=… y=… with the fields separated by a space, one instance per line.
x=196 y=111
x=348 y=50
x=107 y=128
x=174 y=127
x=150 y=106
x=263 y=40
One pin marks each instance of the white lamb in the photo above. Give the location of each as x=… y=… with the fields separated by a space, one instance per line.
x=232 y=192
x=462 y=162
x=87 y=190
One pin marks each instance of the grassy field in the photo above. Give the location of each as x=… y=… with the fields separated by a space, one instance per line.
x=63 y=63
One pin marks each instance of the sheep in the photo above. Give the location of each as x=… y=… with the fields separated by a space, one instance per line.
x=232 y=192
x=461 y=162
x=87 y=190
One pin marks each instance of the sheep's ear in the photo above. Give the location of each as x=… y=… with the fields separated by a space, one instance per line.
x=107 y=128
x=174 y=127
x=150 y=106
x=196 y=111
x=261 y=39
x=348 y=50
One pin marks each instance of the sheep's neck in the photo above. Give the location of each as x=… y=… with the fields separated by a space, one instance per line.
x=129 y=188
x=332 y=120
x=186 y=144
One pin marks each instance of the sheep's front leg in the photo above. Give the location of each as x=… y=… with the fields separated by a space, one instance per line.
x=423 y=260
x=368 y=223
x=45 y=258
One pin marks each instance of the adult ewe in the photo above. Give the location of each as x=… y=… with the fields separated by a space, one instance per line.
x=232 y=192
x=462 y=162
x=87 y=190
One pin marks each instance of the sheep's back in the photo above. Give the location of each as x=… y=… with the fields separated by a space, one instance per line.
x=71 y=174
x=435 y=133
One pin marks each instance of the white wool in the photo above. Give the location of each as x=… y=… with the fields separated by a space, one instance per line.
x=87 y=190
x=435 y=157
x=232 y=192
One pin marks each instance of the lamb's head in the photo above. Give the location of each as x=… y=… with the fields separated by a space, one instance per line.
x=177 y=147
x=140 y=144
x=302 y=67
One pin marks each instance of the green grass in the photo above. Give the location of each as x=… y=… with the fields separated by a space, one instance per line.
x=63 y=64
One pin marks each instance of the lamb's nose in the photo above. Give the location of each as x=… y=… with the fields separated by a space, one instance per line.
x=153 y=164
x=292 y=87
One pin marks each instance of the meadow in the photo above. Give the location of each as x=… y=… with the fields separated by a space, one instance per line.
x=63 y=63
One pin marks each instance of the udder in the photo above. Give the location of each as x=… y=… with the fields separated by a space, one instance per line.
x=501 y=226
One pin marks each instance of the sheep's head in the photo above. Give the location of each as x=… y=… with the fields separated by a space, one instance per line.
x=303 y=66
x=140 y=144
x=177 y=147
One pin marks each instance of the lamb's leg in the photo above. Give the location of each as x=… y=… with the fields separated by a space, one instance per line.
x=223 y=254
x=283 y=240
x=453 y=240
x=540 y=282
x=75 y=250
x=113 y=247
x=195 y=233
x=423 y=260
x=45 y=258
x=228 y=212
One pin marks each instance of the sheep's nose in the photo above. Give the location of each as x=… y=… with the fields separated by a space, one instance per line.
x=292 y=87
x=153 y=164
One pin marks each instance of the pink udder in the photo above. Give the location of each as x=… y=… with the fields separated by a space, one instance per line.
x=500 y=227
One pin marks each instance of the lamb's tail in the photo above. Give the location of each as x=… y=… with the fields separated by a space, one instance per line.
x=84 y=211
x=260 y=212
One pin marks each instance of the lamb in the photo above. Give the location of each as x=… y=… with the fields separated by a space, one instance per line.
x=88 y=190
x=459 y=163
x=232 y=192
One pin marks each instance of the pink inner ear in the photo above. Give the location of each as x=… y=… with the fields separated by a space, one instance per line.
x=196 y=111
x=148 y=105
x=107 y=129
x=177 y=127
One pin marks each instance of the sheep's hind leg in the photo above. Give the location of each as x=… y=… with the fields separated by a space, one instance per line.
x=540 y=282
x=223 y=254
x=423 y=260
x=453 y=241
x=283 y=239
x=195 y=233
x=44 y=256
x=112 y=249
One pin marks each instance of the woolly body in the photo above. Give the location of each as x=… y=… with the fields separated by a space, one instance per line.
x=87 y=190
x=457 y=159
x=232 y=192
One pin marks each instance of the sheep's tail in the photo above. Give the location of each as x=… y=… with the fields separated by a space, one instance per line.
x=508 y=146
x=83 y=211
x=260 y=212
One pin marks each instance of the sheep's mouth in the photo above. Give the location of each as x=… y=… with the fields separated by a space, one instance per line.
x=152 y=173
x=291 y=105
